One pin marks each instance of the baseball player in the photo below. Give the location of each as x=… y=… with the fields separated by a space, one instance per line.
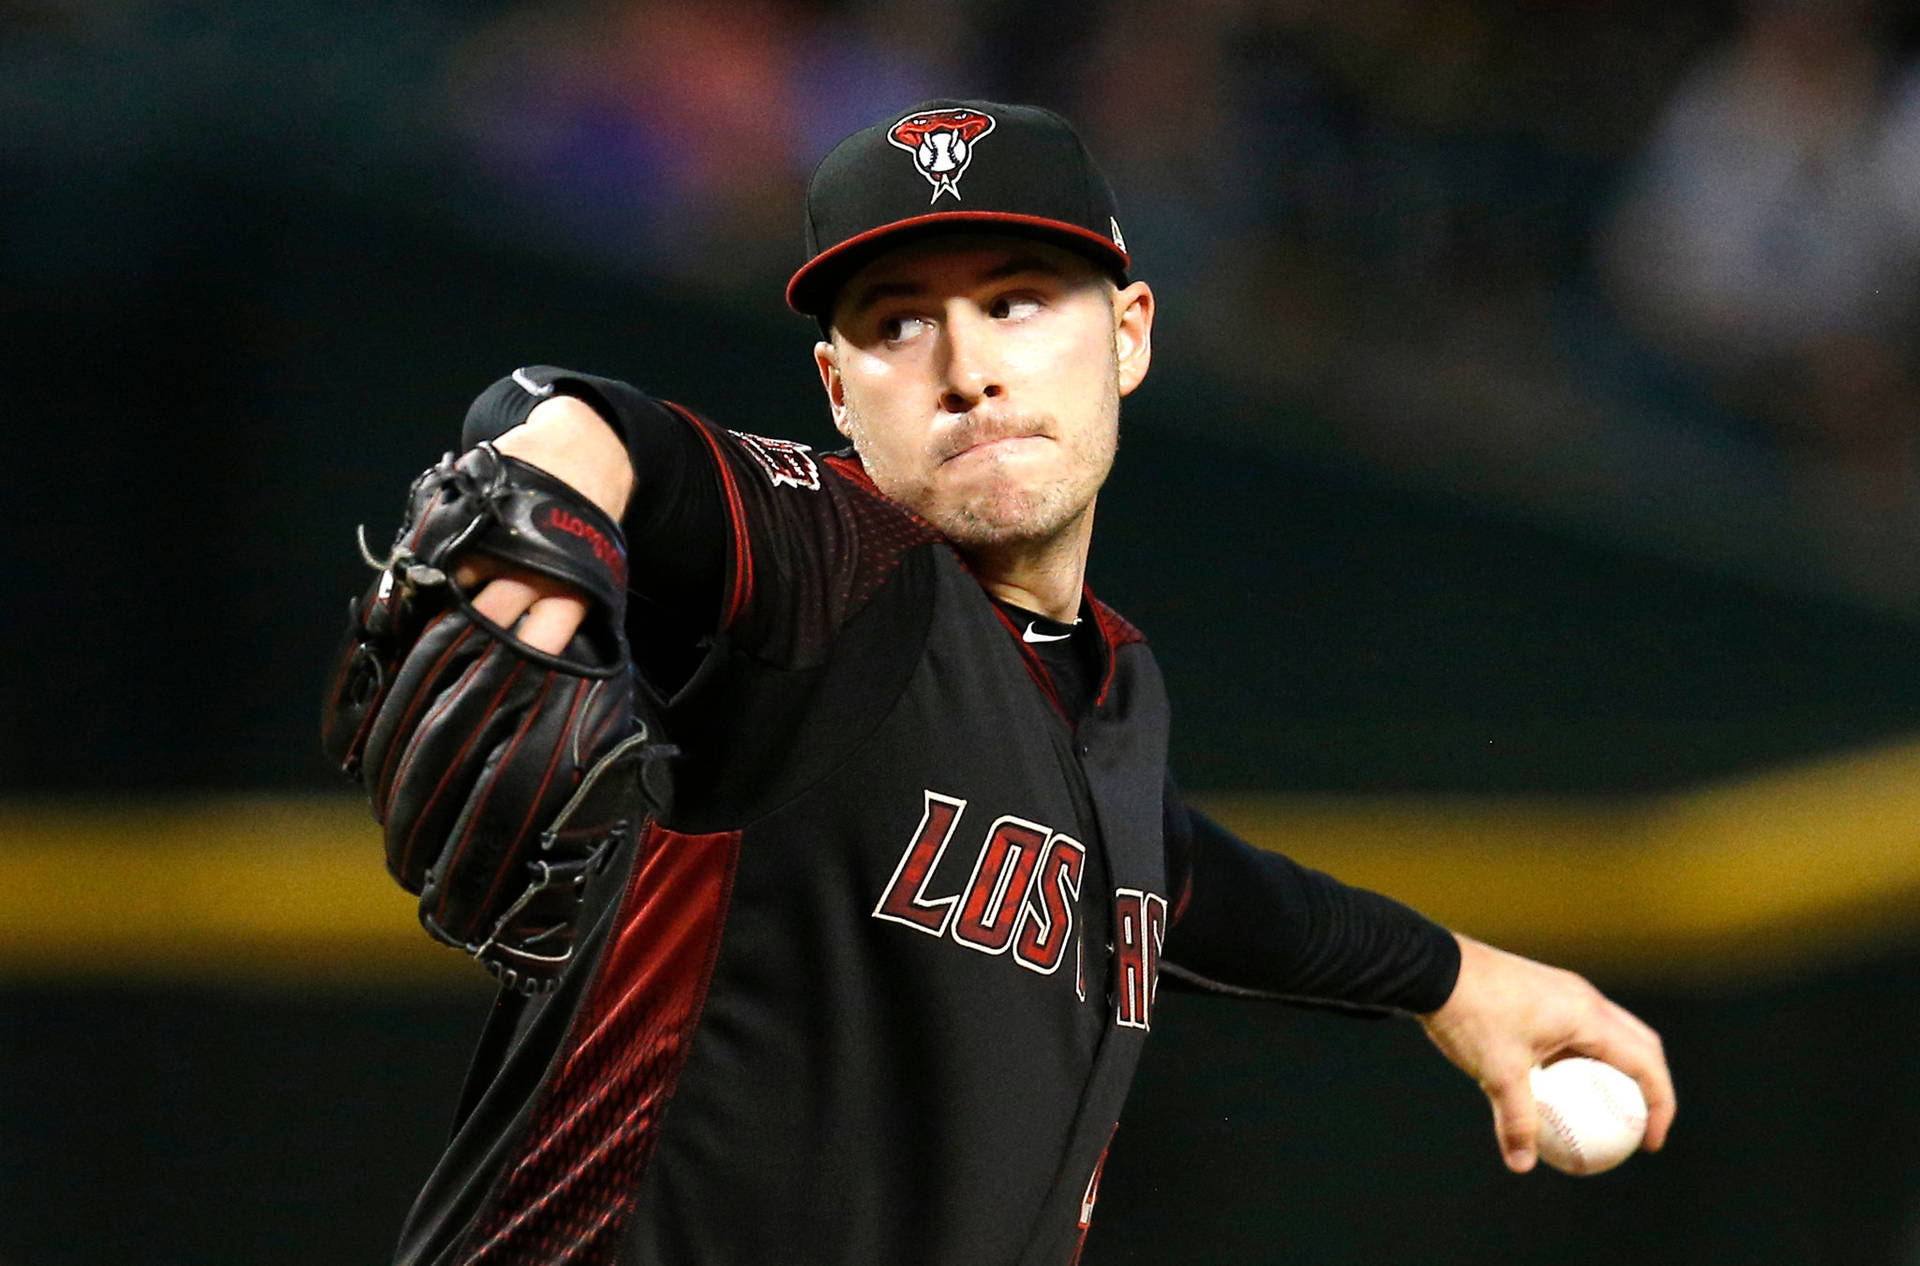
x=833 y=880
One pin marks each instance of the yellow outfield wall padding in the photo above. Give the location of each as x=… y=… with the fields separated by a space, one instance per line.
x=226 y=887
x=1749 y=874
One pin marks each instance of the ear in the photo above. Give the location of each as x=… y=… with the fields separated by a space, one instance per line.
x=826 y=359
x=1133 y=333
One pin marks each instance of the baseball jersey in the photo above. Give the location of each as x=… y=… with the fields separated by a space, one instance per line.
x=873 y=985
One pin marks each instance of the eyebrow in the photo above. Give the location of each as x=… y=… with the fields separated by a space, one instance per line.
x=1012 y=266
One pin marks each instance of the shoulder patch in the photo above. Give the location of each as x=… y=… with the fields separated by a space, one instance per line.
x=786 y=463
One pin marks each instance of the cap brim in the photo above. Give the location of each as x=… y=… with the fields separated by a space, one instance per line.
x=811 y=290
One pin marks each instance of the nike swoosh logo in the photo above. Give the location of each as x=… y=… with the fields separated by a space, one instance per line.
x=533 y=388
x=1033 y=635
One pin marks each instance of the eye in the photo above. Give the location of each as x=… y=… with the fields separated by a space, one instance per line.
x=1013 y=307
x=899 y=329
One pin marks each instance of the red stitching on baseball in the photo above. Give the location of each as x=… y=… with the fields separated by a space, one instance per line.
x=1561 y=1129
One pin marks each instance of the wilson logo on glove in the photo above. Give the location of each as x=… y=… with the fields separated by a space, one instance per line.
x=505 y=777
x=614 y=559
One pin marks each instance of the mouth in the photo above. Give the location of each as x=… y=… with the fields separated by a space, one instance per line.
x=995 y=446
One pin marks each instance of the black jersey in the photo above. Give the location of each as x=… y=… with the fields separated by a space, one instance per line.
x=874 y=987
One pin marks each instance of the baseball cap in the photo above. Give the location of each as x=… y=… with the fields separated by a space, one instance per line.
x=949 y=164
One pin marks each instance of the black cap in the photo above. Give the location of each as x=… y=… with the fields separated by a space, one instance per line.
x=953 y=164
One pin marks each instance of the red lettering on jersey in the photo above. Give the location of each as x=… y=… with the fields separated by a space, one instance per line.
x=1140 y=931
x=1092 y=1193
x=1047 y=922
x=1023 y=892
x=997 y=892
x=1156 y=906
x=906 y=900
x=1088 y=1197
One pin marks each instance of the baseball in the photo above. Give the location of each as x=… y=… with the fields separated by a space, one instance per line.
x=1592 y=1115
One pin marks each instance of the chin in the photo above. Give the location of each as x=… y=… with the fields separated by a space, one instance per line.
x=1007 y=517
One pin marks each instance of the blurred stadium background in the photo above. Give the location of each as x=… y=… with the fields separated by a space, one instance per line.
x=1525 y=504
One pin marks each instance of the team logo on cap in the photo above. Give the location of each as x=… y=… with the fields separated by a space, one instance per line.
x=941 y=142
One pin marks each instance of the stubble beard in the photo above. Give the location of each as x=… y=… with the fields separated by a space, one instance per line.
x=1001 y=513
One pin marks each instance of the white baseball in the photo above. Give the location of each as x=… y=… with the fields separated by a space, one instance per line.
x=1592 y=1115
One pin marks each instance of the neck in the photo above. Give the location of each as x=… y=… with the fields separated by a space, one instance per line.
x=1045 y=577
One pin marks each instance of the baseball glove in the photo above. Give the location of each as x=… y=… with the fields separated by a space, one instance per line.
x=505 y=777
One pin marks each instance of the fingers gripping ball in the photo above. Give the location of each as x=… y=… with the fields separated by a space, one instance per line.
x=1592 y=1115
x=504 y=776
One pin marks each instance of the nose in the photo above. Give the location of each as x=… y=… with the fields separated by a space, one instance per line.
x=971 y=368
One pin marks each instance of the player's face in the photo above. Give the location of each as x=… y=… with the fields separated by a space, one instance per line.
x=980 y=377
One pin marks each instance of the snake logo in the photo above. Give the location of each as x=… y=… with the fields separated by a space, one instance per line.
x=941 y=142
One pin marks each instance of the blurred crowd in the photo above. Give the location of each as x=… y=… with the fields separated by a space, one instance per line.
x=1357 y=144
x=1534 y=242
x=1645 y=265
x=1768 y=242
